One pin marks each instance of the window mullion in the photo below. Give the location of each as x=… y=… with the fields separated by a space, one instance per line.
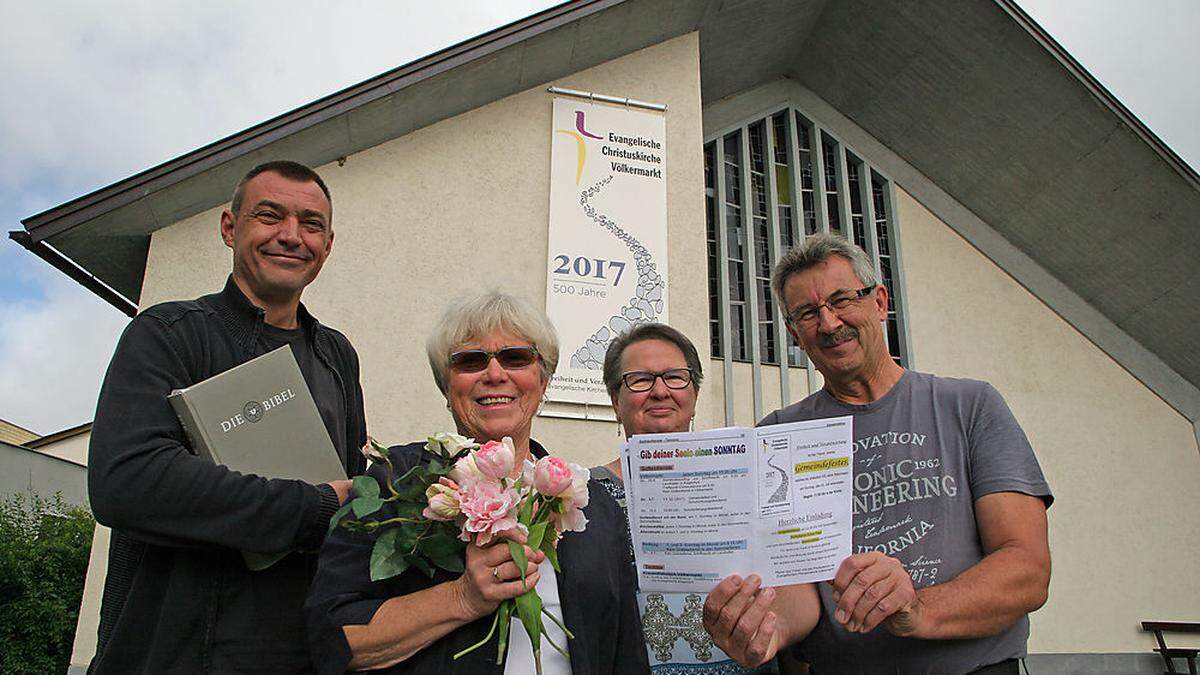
x=843 y=183
x=870 y=235
x=751 y=273
x=817 y=152
x=775 y=243
x=794 y=121
x=723 y=272
x=897 y=274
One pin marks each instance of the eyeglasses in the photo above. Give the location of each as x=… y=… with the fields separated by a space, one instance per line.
x=640 y=380
x=810 y=314
x=509 y=358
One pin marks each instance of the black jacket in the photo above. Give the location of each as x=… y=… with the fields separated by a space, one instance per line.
x=178 y=596
x=597 y=588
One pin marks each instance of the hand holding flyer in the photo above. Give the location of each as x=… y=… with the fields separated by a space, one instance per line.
x=774 y=501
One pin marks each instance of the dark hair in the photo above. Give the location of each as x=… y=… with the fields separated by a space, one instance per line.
x=286 y=168
x=640 y=333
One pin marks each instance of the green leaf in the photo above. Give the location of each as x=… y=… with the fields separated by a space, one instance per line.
x=444 y=551
x=409 y=509
x=337 y=517
x=525 y=514
x=365 y=506
x=535 y=535
x=386 y=561
x=420 y=563
x=378 y=447
x=505 y=618
x=365 y=486
x=518 y=555
x=407 y=475
x=550 y=551
x=413 y=493
x=529 y=608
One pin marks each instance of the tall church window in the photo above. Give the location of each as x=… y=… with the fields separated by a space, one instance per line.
x=769 y=182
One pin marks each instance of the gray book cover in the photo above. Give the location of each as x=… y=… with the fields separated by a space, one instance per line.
x=259 y=418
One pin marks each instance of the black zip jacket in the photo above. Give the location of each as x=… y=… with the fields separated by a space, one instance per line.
x=178 y=597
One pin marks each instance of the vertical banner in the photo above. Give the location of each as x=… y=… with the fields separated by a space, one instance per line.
x=607 y=267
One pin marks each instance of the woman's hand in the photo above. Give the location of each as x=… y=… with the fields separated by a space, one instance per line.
x=492 y=575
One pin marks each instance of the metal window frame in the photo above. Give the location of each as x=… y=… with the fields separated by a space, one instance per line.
x=775 y=244
x=843 y=154
x=751 y=276
x=898 y=278
x=723 y=271
x=843 y=183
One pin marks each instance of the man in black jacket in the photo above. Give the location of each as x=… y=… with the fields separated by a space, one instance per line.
x=178 y=596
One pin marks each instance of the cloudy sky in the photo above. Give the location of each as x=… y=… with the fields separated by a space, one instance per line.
x=95 y=92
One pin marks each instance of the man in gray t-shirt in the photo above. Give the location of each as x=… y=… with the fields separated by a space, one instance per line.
x=949 y=547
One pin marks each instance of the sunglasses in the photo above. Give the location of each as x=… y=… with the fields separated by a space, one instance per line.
x=509 y=358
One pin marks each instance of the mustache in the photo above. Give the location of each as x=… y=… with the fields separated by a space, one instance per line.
x=838 y=336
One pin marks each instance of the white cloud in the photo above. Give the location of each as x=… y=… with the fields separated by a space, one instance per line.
x=53 y=354
x=94 y=92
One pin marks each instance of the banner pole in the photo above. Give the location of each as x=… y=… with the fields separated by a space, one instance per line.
x=625 y=101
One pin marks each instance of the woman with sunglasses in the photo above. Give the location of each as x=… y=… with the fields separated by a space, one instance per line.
x=653 y=374
x=492 y=356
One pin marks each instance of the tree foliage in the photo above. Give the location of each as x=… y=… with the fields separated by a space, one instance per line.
x=44 y=547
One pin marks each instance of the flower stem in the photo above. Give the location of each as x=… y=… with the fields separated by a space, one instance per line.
x=555 y=619
x=391 y=521
x=555 y=645
x=391 y=488
x=477 y=645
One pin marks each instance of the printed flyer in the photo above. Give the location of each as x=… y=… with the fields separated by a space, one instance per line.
x=773 y=501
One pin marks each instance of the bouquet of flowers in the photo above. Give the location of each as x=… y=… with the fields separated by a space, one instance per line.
x=465 y=491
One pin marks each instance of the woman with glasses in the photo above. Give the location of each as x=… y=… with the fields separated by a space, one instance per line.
x=492 y=356
x=653 y=376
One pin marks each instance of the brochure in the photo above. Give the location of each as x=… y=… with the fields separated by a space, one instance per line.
x=773 y=501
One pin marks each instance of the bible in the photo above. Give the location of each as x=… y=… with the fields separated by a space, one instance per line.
x=259 y=418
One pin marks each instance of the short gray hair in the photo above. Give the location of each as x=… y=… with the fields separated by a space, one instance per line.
x=474 y=317
x=815 y=250
x=649 y=331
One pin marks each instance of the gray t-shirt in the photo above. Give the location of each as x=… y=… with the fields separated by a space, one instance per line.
x=923 y=453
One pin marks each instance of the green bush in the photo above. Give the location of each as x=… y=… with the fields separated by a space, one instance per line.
x=44 y=547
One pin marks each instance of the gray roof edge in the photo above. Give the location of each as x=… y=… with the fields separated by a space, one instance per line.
x=77 y=430
x=1099 y=91
x=81 y=209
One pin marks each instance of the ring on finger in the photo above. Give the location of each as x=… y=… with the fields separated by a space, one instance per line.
x=496 y=573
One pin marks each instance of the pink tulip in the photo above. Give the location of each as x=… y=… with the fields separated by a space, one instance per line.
x=443 y=501
x=574 y=499
x=495 y=459
x=490 y=509
x=465 y=470
x=551 y=476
